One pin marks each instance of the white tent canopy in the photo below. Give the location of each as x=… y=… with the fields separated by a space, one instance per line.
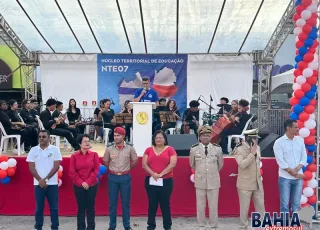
x=283 y=78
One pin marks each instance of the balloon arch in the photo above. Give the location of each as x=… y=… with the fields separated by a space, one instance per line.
x=305 y=88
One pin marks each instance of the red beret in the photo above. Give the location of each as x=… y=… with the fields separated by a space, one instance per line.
x=120 y=131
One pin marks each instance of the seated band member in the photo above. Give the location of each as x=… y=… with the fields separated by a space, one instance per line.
x=50 y=124
x=234 y=107
x=26 y=115
x=34 y=109
x=156 y=121
x=240 y=121
x=146 y=94
x=127 y=108
x=74 y=116
x=191 y=118
x=171 y=107
x=107 y=115
x=226 y=108
x=98 y=121
x=28 y=137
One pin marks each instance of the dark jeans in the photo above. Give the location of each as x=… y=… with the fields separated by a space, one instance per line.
x=224 y=138
x=120 y=184
x=66 y=133
x=85 y=201
x=51 y=193
x=156 y=195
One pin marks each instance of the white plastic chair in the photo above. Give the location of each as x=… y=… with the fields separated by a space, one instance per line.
x=21 y=118
x=171 y=131
x=5 y=138
x=131 y=135
x=178 y=126
x=106 y=135
x=238 y=136
x=54 y=139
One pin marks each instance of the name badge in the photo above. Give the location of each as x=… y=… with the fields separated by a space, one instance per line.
x=113 y=156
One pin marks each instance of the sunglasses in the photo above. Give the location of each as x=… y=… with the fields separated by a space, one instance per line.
x=42 y=137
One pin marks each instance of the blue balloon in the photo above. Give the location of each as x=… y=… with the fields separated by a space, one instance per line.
x=304 y=101
x=314 y=29
x=294 y=116
x=313 y=35
x=298 y=3
x=304 y=168
x=310 y=94
x=103 y=169
x=314 y=88
x=303 y=50
x=308 y=42
x=297 y=109
x=296 y=66
x=5 y=180
x=298 y=58
x=309 y=159
x=99 y=174
x=314 y=206
x=311 y=148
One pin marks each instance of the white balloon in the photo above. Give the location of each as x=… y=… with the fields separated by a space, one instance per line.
x=306 y=14
x=296 y=38
x=192 y=178
x=313 y=183
x=12 y=162
x=4 y=165
x=307 y=191
x=312 y=8
x=59 y=183
x=260 y=164
x=310 y=124
x=313 y=65
x=313 y=175
x=303 y=199
x=297 y=31
x=307 y=72
x=315 y=58
x=301 y=79
x=304 y=132
x=60 y=168
x=296 y=86
x=312 y=116
x=314 y=2
x=300 y=22
x=261 y=179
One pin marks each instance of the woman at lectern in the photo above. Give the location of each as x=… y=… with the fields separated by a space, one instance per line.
x=158 y=161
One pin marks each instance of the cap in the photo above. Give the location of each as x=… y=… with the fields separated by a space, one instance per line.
x=252 y=133
x=120 y=130
x=204 y=129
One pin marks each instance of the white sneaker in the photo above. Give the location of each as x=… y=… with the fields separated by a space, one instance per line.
x=99 y=139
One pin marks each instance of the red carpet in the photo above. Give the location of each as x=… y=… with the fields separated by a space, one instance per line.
x=17 y=198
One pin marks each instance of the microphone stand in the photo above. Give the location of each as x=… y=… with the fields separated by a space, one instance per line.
x=210 y=108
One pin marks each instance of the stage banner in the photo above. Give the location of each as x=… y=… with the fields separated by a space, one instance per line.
x=120 y=76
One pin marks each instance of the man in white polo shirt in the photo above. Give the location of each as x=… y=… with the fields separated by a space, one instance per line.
x=291 y=156
x=44 y=161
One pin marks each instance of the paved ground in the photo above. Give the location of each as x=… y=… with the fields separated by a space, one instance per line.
x=138 y=223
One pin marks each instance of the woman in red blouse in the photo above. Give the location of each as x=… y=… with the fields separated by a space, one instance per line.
x=158 y=161
x=84 y=169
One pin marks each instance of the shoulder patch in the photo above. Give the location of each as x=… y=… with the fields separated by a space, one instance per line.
x=216 y=144
x=127 y=143
x=194 y=145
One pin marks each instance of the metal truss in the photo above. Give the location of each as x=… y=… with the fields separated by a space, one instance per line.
x=283 y=29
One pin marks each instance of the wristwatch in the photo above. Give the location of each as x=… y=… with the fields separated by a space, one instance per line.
x=46 y=180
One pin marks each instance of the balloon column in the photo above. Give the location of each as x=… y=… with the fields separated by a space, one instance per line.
x=7 y=169
x=192 y=175
x=102 y=171
x=303 y=100
x=60 y=173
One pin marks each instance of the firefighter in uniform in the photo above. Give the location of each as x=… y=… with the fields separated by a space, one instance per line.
x=249 y=183
x=207 y=160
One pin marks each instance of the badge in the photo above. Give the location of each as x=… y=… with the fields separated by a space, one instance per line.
x=50 y=154
x=150 y=95
x=142 y=118
x=113 y=155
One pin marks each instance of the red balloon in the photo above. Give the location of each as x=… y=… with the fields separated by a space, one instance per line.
x=192 y=170
x=312 y=199
x=3 y=174
x=294 y=79
x=59 y=174
x=303 y=116
x=306 y=3
x=310 y=140
x=293 y=101
x=297 y=51
x=297 y=72
x=305 y=183
x=302 y=65
x=299 y=93
x=300 y=8
x=313 y=102
x=313 y=132
x=314 y=15
x=308 y=57
x=303 y=36
x=312 y=21
x=307 y=28
x=312 y=80
x=312 y=167
x=315 y=44
x=4 y=158
x=305 y=205
x=300 y=124
x=309 y=109
x=315 y=73
x=296 y=17
x=299 y=44
x=11 y=171
x=312 y=50
x=307 y=175
x=261 y=172
x=305 y=87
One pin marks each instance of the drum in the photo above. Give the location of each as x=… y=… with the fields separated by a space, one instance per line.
x=206 y=117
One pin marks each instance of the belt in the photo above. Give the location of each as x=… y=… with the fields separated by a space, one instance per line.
x=119 y=173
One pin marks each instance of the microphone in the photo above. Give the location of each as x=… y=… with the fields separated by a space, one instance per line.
x=112 y=103
x=211 y=99
x=199 y=98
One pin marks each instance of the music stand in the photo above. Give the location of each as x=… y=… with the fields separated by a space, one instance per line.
x=167 y=117
x=123 y=119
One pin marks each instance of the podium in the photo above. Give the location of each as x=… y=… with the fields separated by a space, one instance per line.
x=142 y=126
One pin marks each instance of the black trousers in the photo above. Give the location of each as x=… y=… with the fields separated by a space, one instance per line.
x=192 y=126
x=159 y=195
x=224 y=138
x=29 y=136
x=86 y=202
x=68 y=134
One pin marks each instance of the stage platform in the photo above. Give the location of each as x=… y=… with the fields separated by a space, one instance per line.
x=17 y=198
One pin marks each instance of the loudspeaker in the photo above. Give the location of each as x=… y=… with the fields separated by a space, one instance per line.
x=266 y=145
x=182 y=143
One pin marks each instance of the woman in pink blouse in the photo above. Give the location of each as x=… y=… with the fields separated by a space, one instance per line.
x=159 y=161
x=84 y=169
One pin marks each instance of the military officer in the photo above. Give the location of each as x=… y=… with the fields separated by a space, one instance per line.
x=249 y=183
x=207 y=160
x=120 y=157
